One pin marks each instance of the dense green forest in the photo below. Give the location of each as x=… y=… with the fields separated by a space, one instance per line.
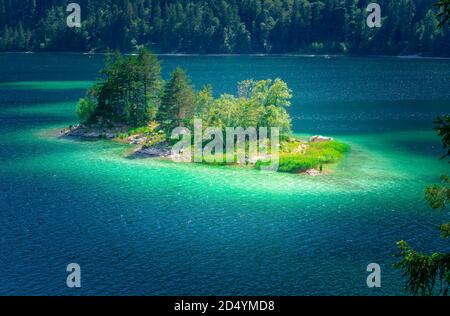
x=225 y=26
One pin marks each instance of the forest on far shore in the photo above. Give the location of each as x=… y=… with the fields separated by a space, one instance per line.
x=225 y=26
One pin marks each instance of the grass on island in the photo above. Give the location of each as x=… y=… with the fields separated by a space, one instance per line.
x=150 y=132
x=298 y=156
x=313 y=156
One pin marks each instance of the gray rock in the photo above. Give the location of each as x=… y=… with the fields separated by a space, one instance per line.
x=319 y=138
x=157 y=150
x=91 y=133
x=312 y=172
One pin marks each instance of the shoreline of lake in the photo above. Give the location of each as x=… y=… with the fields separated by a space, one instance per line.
x=305 y=55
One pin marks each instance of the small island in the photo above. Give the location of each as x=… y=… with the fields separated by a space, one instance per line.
x=132 y=104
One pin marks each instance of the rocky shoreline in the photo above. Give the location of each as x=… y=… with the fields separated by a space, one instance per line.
x=79 y=131
x=160 y=150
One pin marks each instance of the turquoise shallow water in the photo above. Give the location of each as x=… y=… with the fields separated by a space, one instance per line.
x=150 y=227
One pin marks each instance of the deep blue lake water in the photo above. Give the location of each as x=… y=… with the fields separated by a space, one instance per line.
x=146 y=227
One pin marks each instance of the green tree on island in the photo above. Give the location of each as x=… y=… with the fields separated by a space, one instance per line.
x=129 y=92
x=257 y=104
x=178 y=100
